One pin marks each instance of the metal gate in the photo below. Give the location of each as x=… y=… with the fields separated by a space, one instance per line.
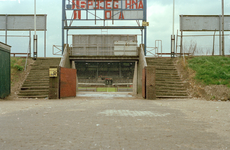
x=5 y=73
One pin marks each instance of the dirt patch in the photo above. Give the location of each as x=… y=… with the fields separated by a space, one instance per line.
x=197 y=89
x=17 y=79
x=218 y=92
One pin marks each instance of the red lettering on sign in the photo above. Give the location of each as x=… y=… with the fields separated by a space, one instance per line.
x=128 y=4
x=97 y=4
x=77 y=14
x=73 y=4
x=108 y=4
x=121 y=16
x=101 y=4
x=108 y=14
x=134 y=3
x=83 y=5
x=78 y=4
x=115 y=4
x=90 y=3
x=140 y=5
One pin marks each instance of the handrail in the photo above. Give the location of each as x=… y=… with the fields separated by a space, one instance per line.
x=27 y=54
x=59 y=50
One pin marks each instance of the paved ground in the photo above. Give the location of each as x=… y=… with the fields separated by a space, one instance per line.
x=114 y=123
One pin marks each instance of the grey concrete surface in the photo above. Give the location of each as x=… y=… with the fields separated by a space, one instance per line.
x=102 y=123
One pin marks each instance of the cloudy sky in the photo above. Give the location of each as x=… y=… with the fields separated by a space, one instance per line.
x=159 y=16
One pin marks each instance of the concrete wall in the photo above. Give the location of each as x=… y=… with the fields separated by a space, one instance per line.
x=135 y=77
x=65 y=62
x=74 y=67
x=141 y=65
x=151 y=82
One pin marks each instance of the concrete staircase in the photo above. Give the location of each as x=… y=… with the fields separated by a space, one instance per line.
x=36 y=84
x=168 y=82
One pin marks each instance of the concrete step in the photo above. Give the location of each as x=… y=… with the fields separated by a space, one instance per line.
x=37 y=80
x=170 y=85
x=170 y=88
x=171 y=94
x=35 y=88
x=171 y=91
x=33 y=93
x=34 y=96
x=37 y=85
x=169 y=82
x=38 y=77
x=173 y=97
x=167 y=76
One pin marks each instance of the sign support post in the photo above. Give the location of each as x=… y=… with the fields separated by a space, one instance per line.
x=223 y=28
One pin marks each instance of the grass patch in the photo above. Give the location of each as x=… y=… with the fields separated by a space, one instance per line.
x=17 y=63
x=106 y=89
x=17 y=66
x=211 y=70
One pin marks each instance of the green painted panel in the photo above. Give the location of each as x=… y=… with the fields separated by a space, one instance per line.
x=5 y=78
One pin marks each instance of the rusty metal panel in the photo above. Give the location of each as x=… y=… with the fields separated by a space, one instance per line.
x=150 y=82
x=144 y=83
x=68 y=82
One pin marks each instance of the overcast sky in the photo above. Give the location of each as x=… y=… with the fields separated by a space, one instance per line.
x=159 y=17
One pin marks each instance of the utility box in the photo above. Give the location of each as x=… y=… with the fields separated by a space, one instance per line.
x=5 y=73
x=54 y=82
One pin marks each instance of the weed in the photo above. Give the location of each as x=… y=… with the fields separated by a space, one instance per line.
x=17 y=63
x=18 y=67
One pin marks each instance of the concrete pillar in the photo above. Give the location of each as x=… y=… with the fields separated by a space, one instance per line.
x=135 y=82
x=54 y=83
x=150 y=82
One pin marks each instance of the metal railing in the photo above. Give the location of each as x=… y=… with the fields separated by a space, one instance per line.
x=152 y=51
x=57 y=50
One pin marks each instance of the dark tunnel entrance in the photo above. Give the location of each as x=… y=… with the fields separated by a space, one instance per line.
x=105 y=76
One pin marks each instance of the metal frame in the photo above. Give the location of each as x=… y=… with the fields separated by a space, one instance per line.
x=27 y=36
x=21 y=15
x=220 y=28
x=67 y=27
